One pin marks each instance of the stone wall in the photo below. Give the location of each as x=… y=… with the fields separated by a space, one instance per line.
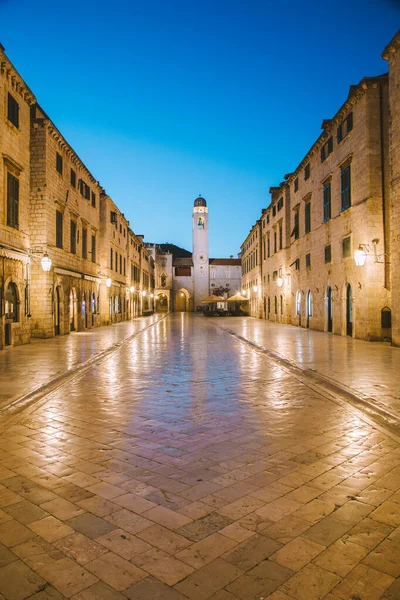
x=392 y=54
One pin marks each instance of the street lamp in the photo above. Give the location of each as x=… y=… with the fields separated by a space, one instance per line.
x=360 y=256
x=243 y=292
x=46 y=262
x=255 y=288
x=144 y=293
x=108 y=282
x=131 y=289
x=279 y=282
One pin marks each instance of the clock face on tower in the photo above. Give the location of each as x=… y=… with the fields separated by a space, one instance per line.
x=201 y=257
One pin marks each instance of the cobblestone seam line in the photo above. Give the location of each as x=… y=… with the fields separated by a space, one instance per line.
x=16 y=405
x=330 y=388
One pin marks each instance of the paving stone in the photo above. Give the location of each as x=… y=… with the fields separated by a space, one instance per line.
x=368 y=533
x=205 y=551
x=25 y=512
x=80 y=548
x=13 y=533
x=115 y=571
x=297 y=553
x=208 y=580
x=62 y=509
x=99 y=591
x=17 y=581
x=50 y=529
x=164 y=539
x=385 y=557
x=249 y=553
x=310 y=582
x=165 y=567
x=128 y=520
x=201 y=528
x=260 y=581
x=91 y=526
x=363 y=582
x=98 y=506
x=341 y=557
x=327 y=531
x=150 y=589
x=123 y=543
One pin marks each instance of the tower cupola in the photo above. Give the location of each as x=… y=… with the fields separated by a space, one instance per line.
x=200 y=201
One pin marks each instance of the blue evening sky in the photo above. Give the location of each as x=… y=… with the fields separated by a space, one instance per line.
x=166 y=99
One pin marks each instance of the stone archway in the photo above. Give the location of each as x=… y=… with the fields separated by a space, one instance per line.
x=162 y=303
x=182 y=301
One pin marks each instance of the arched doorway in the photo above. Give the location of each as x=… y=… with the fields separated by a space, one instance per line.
x=182 y=301
x=93 y=307
x=162 y=303
x=57 y=311
x=349 y=310
x=84 y=310
x=308 y=308
x=72 y=310
x=11 y=311
x=298 y=306
x=329 y=309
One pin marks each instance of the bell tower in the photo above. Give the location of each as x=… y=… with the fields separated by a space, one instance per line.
x=201 y=276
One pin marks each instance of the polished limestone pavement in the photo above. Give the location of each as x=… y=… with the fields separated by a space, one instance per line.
x=186 y=464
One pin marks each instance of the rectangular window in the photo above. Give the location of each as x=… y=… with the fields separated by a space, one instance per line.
x=73 y=178
x=274 y=275
x=268 y=247
x=73 y=237
x=120 y=264
x=116 y=262
x=327 y=202
x=346 y=247
x=307 y=172
x=59 y=229
x=113 y=217
x=124 y=266
x=12 y=201
x=274 y=211
x=275 y=246
x=345 y=181
x=280 y=236
x=84 y=189
x=13 y=110
x=328 y=254
x=84 y=243
x=296 y=184
x=297 y=264
x=307 y=217
x=280 y=203
x=111 y=258
x=93 y=248
x=345 y=127
x=59 y=163
x=295 y=231
x=93 y=200
x=267 y=219
x=327 y=149
x=308 y=261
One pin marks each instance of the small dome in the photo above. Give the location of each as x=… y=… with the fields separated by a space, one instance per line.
x=200 y=201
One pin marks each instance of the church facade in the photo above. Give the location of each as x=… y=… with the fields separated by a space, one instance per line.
x=183 y=279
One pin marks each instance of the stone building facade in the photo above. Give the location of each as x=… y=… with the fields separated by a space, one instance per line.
x=16 y=100
x=335 y=202
x=392 y=55
x=52 y=207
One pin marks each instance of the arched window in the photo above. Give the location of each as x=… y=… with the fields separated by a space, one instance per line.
x=281 y=304
x=116 y=304
x=269 y=304
x=276 y=305
x=11 y=302
x=200 y=223
x=298 y=303
x=163 y=262
x=163 y=280
x=93 y=303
